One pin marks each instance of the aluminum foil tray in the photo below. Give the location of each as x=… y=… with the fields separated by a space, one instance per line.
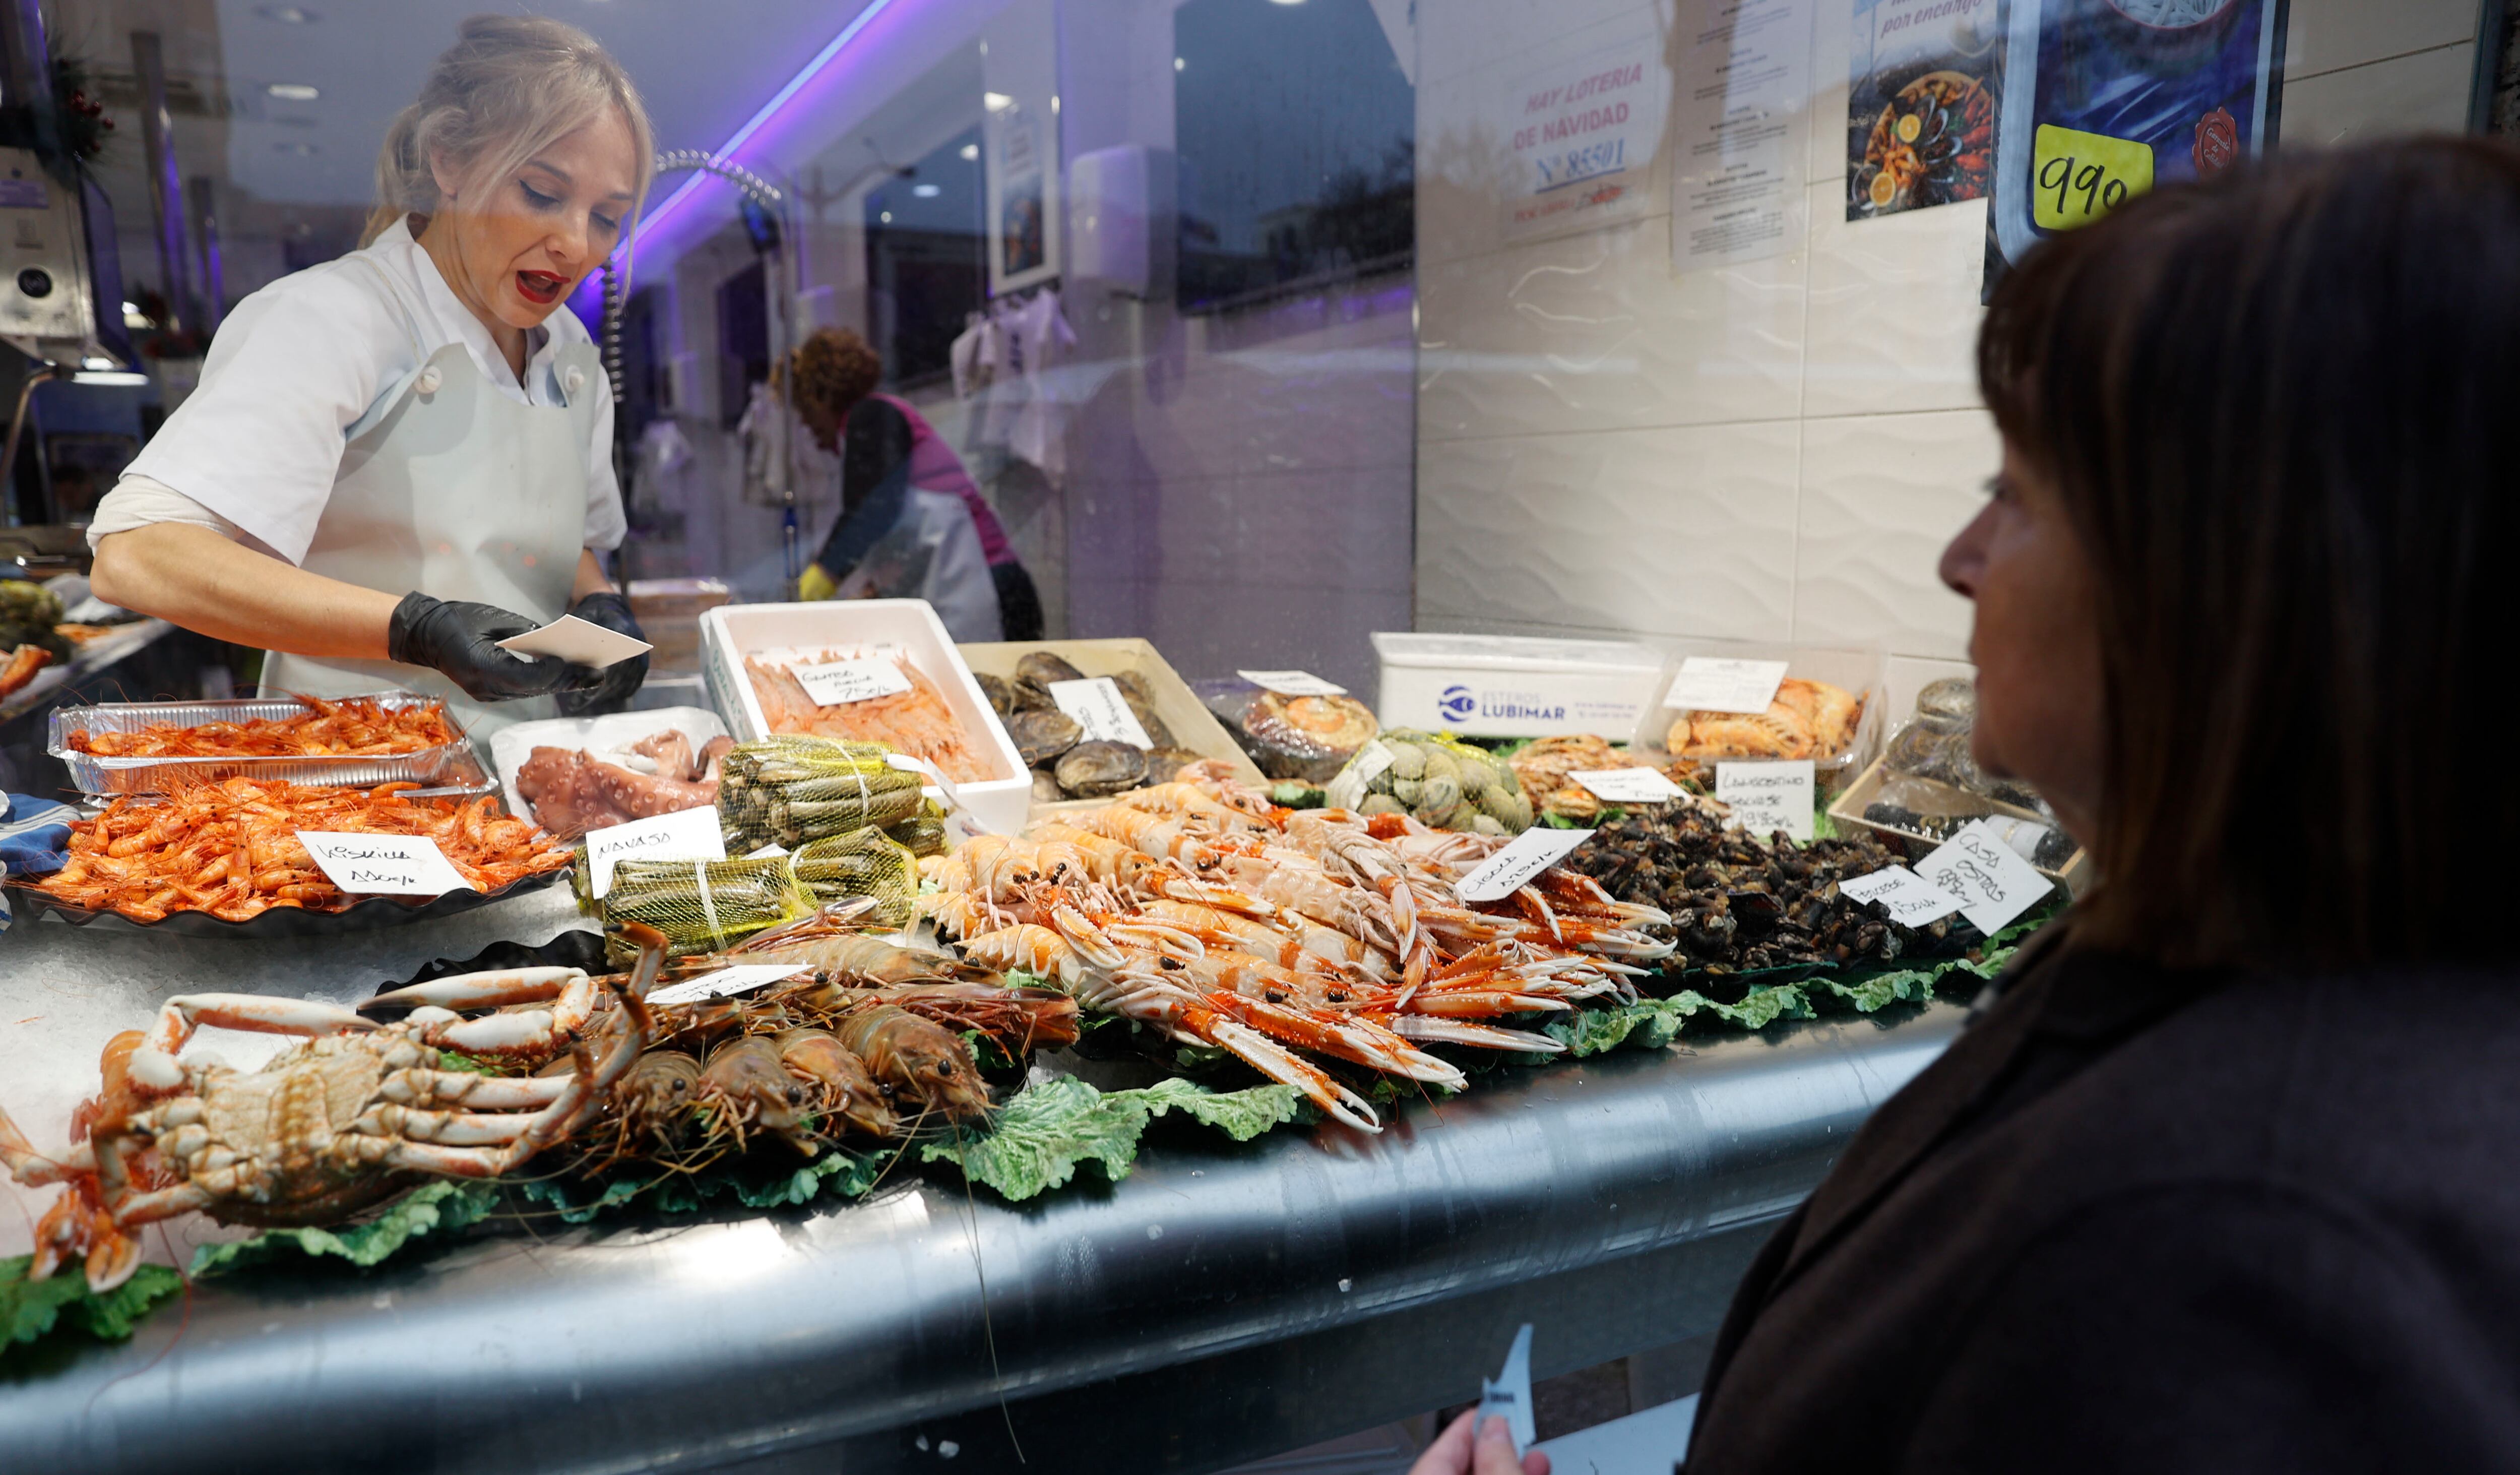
x=280 y=921
x=94 y=776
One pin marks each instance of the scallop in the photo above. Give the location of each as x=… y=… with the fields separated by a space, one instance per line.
x=1091 y=770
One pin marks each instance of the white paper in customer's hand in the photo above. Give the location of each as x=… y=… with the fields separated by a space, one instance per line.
x=581 y=641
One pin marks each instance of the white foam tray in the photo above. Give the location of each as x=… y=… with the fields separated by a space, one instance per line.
x=730 y=632
x=511 y=746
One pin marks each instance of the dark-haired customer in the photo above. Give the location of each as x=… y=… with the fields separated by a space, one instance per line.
x=2226 y=1177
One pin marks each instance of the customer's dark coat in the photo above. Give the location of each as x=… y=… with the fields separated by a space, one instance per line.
x=2142 y=1220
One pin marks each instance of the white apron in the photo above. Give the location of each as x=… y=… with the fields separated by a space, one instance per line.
x=450 y=488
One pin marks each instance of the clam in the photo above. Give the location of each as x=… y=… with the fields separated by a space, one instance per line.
x=1041 y=668
x=1043 y=733
x=1091 y=770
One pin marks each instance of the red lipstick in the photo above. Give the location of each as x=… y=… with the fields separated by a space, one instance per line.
x=539 y=288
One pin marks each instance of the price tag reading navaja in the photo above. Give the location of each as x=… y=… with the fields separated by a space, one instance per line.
x=1719 y=683
x=688 y=835
x=832 y=683
x=1628 y=786
x=1096 y=705
x=1767 y=797
x=382 y=866
x=1913 y=900
x=1292 y=683
x=1989 y=879
x=1510 y=869
x=726 y=983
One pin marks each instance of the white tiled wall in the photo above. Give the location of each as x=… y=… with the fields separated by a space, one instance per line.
x=1772 y=451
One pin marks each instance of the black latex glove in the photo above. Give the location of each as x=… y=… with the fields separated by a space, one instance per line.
x=462 y=640
x=615 y=684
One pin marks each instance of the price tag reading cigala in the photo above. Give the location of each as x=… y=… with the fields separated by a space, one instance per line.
x=1510 y=869
x=1292 y=683
x=382 y=866
x=1096 y=705
x=1989 y=879
x=686 y=835
x=1767 y=797
x=1719 y=683
x=1628 y=786
x=830 y=683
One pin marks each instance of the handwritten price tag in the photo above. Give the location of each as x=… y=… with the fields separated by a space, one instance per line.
x=1768 y=796
x=1510 y=869
x=831 y=683
x=1096 y=705
x=1347 y=789
x=1910 y=899
x=384 y=865
x=1628 y=786
x=686 y=835
x=1292 y=683
x=2082 y=176
x=1718 y=683
x=726 y=983
x=1990 y=882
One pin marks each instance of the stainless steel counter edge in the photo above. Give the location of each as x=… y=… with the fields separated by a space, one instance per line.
x=683 y=1348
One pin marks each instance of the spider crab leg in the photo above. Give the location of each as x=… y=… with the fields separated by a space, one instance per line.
x=527 y=1032
x=154 y=1065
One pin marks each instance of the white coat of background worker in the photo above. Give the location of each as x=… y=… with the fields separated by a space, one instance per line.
x=396 y=459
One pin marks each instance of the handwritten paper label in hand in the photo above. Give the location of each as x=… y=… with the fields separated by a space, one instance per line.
x=1769 y=796
x=1719 y=683
x=1991 y=883
x=1510 y=869
x=581 y=641
x=1628 y=786
x=830 y=683
x=1911 y=900
x=726 y=983
x=1292 y=683
x=384 y=865
x=1096 y=705
x=686 y=835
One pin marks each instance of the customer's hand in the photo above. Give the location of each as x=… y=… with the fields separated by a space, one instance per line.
x=607 y=690
x=462 y=640
x=1456 y=1452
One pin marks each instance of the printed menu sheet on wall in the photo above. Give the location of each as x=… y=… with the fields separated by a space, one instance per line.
x=1584 y=135
x=1922 y=104
x=1741 y=102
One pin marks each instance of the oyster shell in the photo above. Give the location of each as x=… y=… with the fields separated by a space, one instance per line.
x=998 y=690
x=1041 y=668
x=1163 y=762
x=1045 y=787
x=1042 y=734
x=1091 y=770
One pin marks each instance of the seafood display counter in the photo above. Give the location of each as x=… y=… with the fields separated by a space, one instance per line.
x=1222 y=1303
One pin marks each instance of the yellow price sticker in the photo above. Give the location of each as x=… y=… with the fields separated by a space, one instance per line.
x=2082 y=176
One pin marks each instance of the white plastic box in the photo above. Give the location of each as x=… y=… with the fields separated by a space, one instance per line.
x=511 y=744
x=1508 y=686
x=730 y=632
x=1861 y=672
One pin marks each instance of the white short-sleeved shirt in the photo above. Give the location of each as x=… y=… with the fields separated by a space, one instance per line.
x=296 y=364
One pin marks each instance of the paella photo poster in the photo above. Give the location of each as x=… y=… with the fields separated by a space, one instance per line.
x=2110 y=97
x=1922 y=104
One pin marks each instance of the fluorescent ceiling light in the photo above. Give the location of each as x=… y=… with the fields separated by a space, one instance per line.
x=121 y=378
x=926 y=191
x=1177 y=64
x=286 y=15
x=293 y=92
x=93 y=362
x=778 y=100
x=996 y=102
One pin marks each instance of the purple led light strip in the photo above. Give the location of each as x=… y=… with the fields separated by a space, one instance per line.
x=769 y=109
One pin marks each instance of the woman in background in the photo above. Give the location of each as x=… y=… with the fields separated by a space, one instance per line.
x=889 y=453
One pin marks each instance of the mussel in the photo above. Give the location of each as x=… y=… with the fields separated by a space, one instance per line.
x=1043 y=734
x=1092 y=770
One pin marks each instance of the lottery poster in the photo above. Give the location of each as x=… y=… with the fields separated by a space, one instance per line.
x=2111 y=98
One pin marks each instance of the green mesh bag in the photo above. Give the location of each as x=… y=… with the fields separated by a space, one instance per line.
x=704 y=905
x=864 y=862
x=789 y=790
x=922 y=833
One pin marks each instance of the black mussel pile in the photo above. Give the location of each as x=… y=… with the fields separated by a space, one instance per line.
x=1741 y=904
x=1065 y=763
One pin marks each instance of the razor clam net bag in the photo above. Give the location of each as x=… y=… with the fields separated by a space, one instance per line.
x=789 y=790
x=702 y=905
x=864 y=862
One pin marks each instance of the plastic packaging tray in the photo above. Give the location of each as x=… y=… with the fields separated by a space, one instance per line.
x=1862 y=673
x=430 y=767
x=511 y=746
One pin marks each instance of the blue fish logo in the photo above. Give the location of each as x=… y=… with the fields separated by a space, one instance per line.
x=1457 y=704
